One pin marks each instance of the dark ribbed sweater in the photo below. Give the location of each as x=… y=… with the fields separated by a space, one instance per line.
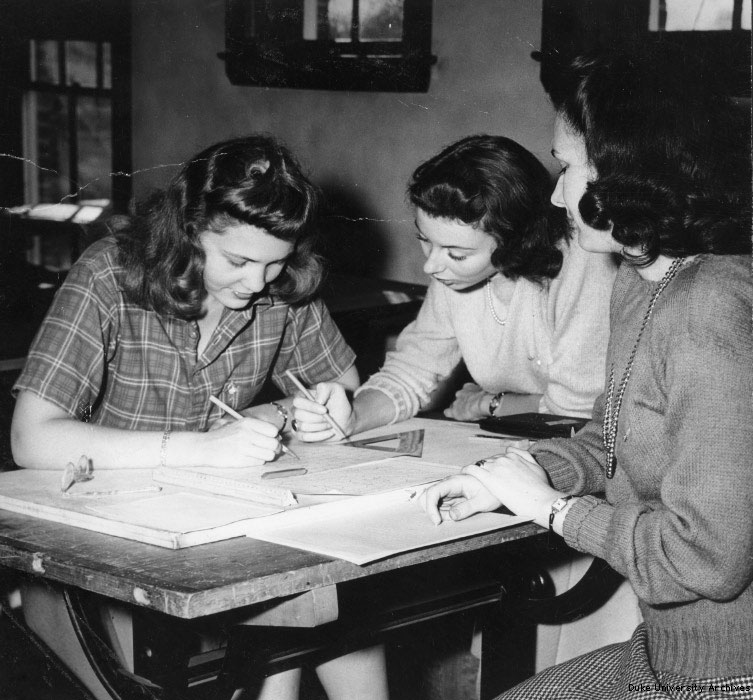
x=677 y=518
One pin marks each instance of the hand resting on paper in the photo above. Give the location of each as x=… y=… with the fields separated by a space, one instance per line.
x=514 y=480
x=456 y=498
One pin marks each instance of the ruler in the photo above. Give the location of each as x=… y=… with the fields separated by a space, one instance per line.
x=225 y=486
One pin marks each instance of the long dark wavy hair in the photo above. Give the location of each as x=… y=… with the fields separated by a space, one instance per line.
x=252 y=180
x=500 y=188
x=671 y=156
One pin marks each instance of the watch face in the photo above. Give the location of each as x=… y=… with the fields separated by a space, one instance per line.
x=559 y=504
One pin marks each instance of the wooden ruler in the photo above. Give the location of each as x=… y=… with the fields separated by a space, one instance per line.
x=225 y=486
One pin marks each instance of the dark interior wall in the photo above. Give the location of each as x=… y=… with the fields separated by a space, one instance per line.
x=361 y=147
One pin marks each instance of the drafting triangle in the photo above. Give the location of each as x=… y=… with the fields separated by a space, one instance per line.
x=410 y=443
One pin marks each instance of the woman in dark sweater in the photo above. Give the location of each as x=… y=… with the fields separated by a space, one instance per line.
x=659 y=484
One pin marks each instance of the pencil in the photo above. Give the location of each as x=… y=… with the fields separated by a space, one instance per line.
x=333 y=423
x=232 y=412
x=282 y=473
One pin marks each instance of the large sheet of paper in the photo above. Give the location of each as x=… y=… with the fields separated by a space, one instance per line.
x=451 y=442
x=366 y=528
x=127 y=503
x=179 y=515
x=336 y=468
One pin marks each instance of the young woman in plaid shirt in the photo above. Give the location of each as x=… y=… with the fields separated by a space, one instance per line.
x=206 y=291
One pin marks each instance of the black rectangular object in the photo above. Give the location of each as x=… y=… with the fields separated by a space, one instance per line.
x=533 y=425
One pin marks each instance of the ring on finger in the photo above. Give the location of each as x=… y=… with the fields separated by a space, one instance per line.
x=481 y=462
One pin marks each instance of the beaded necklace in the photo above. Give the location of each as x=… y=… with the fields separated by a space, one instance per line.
x=501 y=322
x=612 y=413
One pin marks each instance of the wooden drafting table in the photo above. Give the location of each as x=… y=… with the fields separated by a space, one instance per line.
x=235 y=579
x=279 y=593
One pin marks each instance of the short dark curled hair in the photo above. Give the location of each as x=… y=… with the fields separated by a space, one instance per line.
x=671 y=155
x=251 y=180
x=497 y=186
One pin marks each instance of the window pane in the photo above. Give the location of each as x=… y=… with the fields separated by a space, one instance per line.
x=694 y=15
x=380 y=20
x=81 y=63
x=94 y=147
x=52 y=147
x=44 y=61
x=340 y=16
x=106 y=66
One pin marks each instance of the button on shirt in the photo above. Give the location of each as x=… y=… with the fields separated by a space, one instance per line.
x=104 y=359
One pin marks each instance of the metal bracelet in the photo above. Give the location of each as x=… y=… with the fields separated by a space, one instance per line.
x=283 y=412
x=163 y=448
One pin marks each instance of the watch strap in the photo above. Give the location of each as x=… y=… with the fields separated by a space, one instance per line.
x=495 y=402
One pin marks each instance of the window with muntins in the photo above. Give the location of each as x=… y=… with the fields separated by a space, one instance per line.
x=67 y=121
x=377 y=45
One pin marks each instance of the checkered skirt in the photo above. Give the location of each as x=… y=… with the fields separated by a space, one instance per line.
x=623 y=672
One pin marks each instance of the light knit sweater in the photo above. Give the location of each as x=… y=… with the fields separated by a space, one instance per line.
x=677 y=519
x=554 y=341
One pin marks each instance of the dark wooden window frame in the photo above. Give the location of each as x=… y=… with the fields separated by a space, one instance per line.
x=570 y=27
x=63 y=20
x=258 y=53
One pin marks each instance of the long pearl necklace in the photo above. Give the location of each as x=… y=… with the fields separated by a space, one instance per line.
x=612 y=412
x=501 y=322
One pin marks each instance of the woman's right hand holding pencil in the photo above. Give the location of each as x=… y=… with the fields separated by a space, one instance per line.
x=238 y=443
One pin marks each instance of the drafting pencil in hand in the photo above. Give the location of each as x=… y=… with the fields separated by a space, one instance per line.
x=232 y=412
x=333 y=423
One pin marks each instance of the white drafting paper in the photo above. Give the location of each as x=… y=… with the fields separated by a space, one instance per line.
x=182 y=512
x=368 y=477
x=449 y=442
x=366 y=528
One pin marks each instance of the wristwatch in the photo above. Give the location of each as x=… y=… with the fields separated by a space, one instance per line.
x=557 y=506
x=495 y=402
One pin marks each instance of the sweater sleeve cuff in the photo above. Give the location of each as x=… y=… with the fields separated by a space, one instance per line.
x=586 y=524
x=395 y=397
x=561 y=474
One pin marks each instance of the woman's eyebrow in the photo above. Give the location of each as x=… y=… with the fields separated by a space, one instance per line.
x=247 y=259
x=459 y=247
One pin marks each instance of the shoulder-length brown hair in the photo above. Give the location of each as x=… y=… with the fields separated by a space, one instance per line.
x=496 y=185
x=252 y=180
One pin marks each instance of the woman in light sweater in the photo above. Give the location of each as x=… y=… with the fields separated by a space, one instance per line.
x=511 y=295
x=656 y=165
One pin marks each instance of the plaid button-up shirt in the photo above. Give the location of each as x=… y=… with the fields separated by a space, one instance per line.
x=105 y=360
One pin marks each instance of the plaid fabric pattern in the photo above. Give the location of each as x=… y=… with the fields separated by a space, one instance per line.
x=623 y=672
x=103 y=359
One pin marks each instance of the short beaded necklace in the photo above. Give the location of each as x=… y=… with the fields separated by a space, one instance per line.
x=501 y=322
x=612 y=413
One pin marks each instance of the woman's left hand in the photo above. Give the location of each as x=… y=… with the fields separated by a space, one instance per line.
x=471 y=403
x=519 y=482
